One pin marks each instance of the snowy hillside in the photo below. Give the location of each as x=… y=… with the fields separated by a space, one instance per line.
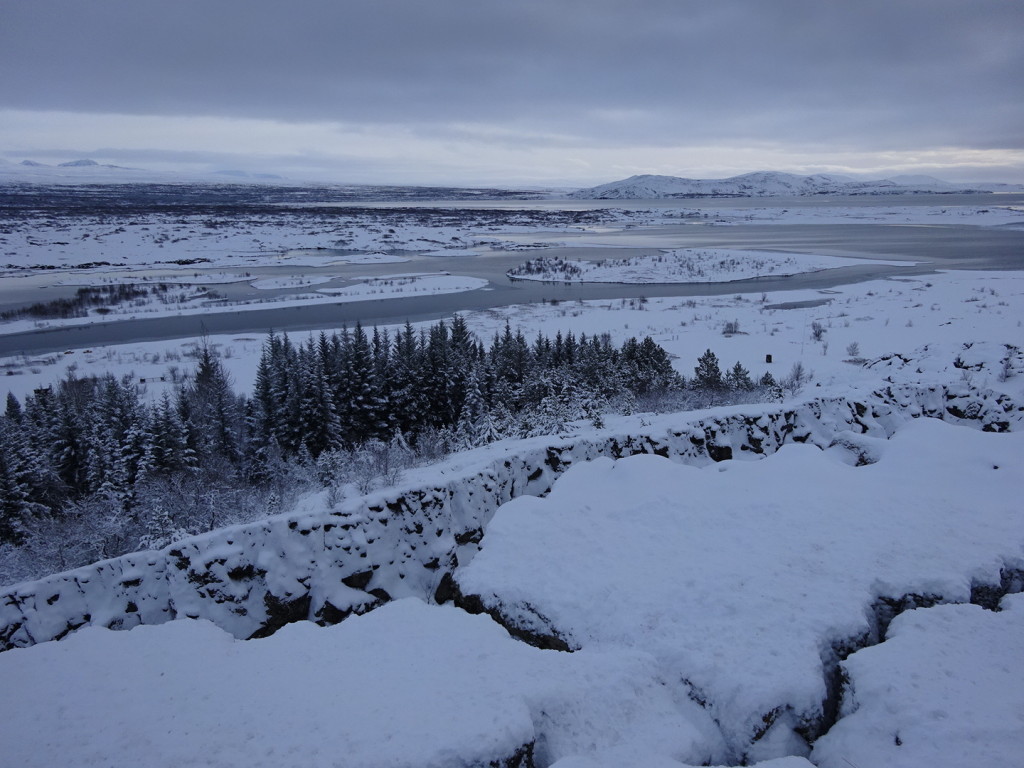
x=767 y=184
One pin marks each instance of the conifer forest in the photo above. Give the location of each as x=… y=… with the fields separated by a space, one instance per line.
x=92 y=468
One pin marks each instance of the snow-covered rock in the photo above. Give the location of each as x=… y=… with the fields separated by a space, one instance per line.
x=747 y=579
x=945 y=690
x=698 y=608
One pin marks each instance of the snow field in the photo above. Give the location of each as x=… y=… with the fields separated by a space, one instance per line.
x=928 y=320
x=407 y=685
x=685 y=265
x=665 y=553
x=401 y=285
x=361 y=289
x=925 y=319
x=771 y=184
x=155 y=239
x=946 y=689
x=240 y=239
x=739 y=577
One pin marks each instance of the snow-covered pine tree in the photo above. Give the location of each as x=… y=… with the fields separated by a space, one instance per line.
x=738 y=379
x=707 y=375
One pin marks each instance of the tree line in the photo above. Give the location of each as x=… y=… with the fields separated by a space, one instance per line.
x=91 y=468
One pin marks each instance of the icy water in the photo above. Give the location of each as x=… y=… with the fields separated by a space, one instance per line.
x=924 y=248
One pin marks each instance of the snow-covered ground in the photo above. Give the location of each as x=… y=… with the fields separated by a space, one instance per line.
x=740 y=577
x=981 y=215
x=289 y=237
x=945 y=688
x=926 y=320
x=710 y=604
x=370 y=236
x=683 y=265
x=407 y=685
x=199 y=302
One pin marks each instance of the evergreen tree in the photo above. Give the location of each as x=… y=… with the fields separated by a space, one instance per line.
x=707 y=375
x=406 y=393
x=214 y=412
x=13 y=410
x=738 y=379
x=169 y=449
x=318 y=419
x=17 y=480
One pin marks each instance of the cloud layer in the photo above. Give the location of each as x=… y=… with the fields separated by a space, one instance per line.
x=516 y=83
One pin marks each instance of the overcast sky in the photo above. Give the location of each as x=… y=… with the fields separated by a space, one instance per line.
x=518 y=92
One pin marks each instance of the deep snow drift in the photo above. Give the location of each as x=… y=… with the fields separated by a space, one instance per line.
x=408 y=685
x=742 y=578
x=946 y=688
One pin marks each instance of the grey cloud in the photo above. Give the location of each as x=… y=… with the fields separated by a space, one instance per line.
x=896 y=73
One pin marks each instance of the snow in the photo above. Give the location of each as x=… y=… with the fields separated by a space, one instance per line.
x=946 y=689
x=407 y=685
x=194 y=278
x=360 y=289
x=926 y=320
x=429 y=284
x=372 y=258
x=685 y=265
x=664 y=571
x=738 y=577
x=299 y=281
x=288 y=237
x=983 y=215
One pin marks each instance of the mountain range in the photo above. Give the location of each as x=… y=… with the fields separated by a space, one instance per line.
x=777 y=184
x=643 y=187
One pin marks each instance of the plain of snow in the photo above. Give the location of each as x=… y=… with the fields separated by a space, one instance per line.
x=170 y=242
x=775 y=184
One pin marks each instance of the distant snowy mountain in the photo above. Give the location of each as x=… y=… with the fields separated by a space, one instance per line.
x=771 y=184
x=88 y=171
x=80 y=164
